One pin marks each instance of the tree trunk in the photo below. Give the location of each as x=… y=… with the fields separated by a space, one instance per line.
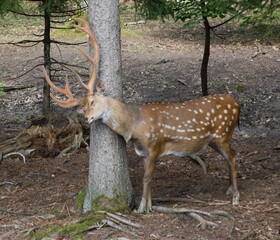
x=108 y=170
x=206 y=54
x=47 y=63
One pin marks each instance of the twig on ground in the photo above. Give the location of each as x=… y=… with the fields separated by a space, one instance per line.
x=123 y=220
x=15 y=153
x=181 y=81
x=261 y=159
x=119 y=227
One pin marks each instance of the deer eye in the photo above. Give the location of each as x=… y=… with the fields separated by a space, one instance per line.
x=92 y=102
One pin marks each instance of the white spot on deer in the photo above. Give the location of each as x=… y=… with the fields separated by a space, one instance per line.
x=234 y=111
x=196 y=112
x=223 y=123
x=198 y=129
x=181 y=130
x=153 y=109
x=189 y=121
x=151 y=119
x=220 y=116
x=203 y=103
x=200 y=110
x=227 y=129
x=161 y=130
x=201 y=122
x=218 y=106
x=212 y=110
x=232 y=117
x=189 y=110
x=190 y=130
x=176 y=108
x=226 y=118
x=202 y=136
x=229 y=106
x=194 y=120
x=208 y=114
x=222 y=98
x=225 y=111
x=194 y=137
x=207 y=134
x=209 y=101
x=177 y=118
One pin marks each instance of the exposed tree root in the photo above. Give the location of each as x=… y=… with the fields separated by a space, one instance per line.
x=122 y=223
x=196 y=214
x=48 y=136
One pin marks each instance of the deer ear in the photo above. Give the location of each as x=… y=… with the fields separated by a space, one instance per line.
x=100 y=87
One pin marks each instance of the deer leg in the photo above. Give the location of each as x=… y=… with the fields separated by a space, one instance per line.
x=146 y=201
x=229 y=154
x=200 y=162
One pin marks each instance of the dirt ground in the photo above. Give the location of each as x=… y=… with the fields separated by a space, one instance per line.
x=160 y=63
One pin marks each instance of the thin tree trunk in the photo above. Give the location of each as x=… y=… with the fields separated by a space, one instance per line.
x=206 y=54
x=108 y=170
x=47 y=64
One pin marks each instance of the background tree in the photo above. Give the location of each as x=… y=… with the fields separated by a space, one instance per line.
x=108 y=171
x=219 y=12
x=53 y=12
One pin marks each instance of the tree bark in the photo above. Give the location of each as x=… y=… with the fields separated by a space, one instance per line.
x=108 y=170
x=205 y=60
x=47 y=63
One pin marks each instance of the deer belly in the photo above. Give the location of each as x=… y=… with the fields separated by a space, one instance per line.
x=183 y=149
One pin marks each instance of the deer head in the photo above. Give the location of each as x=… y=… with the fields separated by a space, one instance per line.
x=92 y=111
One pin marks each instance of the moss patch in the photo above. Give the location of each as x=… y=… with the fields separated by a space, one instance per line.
x=80 y=199
x=73 y=230
x=116 y=204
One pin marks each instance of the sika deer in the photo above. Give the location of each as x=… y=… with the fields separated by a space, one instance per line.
x=159 y=129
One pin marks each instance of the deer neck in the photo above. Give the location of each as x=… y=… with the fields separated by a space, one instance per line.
x=119 y=118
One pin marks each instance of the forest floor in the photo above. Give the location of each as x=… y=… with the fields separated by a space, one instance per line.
x=160 y=63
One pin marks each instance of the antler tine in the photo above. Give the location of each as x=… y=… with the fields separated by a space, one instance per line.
x=66 y=91
x=95 y=60
x=79 y=79
x=71 y=101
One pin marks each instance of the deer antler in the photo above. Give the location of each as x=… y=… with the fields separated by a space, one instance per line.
x=95 y=59
x=71 y=101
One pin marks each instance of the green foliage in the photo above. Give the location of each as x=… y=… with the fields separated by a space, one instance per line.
x=192 y=12
x=8 y=5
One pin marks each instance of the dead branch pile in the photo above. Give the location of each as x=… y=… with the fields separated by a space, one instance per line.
x=49 y=137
